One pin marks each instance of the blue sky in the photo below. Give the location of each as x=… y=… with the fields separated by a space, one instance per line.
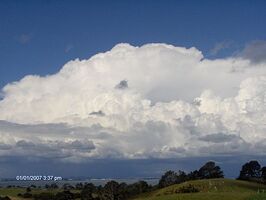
x=38 y=37
x=178 y=108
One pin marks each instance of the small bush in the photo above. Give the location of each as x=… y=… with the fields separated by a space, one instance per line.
x=44 y=196
x=27 y=195
x=5 y=198
x=187 y=189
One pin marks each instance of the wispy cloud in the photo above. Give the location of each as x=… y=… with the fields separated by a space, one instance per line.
x=218 y=47
x=24 y=38
x=254 y=51
x=68 y=48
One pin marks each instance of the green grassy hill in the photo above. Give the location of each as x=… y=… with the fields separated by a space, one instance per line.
x=213 y=189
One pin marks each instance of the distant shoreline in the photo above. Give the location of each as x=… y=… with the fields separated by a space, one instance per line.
x=72 y=181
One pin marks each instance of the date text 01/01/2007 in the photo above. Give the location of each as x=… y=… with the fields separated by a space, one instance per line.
x=39 y=178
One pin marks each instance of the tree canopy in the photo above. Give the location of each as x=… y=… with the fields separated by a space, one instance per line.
x=250 y=171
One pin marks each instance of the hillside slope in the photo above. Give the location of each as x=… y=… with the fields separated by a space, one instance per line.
x=212 y=189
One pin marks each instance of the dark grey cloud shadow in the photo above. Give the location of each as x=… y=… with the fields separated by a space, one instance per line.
x=254 y=51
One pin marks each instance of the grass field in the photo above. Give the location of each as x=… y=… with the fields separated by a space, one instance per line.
x=214 y=189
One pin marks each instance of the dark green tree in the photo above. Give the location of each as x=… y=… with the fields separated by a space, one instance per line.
x=79 y=186
x=113 y=191
x=87 y=191
x=210 y=170
x=67 y=187
x=28 y=189
x=54 y=186
x=169 y=178
x=182 y=176
x=250 y=171
x=65 y=195
x=194 y=175
x=137 y=188
x=263 y=174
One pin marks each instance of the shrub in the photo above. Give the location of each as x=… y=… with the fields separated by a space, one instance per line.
x=5 y=198
x=27 y=195
x=187 y=189
x=44 y=196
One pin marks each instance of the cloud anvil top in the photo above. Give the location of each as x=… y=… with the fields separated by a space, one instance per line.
x=157 y=100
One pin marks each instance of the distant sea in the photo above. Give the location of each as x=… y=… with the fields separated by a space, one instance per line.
x=96 y=182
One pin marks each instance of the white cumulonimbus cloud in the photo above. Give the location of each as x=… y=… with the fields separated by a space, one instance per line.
x=156 y=100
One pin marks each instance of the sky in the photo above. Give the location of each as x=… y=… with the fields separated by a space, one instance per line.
x=38 y=37
x=131 y=88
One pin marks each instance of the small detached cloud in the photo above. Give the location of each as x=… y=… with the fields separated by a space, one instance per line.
x=24 y=38
x=219 y=47
x=68 y=48
x=122 y=85
x=98 y=113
